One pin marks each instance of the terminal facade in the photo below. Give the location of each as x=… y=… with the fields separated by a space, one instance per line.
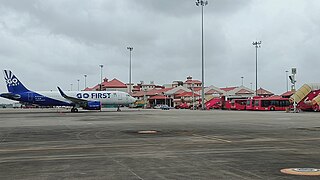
x=150 y=95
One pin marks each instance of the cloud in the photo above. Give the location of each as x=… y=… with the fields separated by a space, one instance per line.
x=56 y=42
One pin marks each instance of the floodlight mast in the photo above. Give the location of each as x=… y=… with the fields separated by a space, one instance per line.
x=257 y=45
x=101 y=80
x=85 y=81
x=130 y=67
x=202 y=4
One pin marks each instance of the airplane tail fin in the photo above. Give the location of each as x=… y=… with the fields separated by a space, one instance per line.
x=13 y=83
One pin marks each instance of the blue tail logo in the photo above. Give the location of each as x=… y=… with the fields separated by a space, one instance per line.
x=11 y=80
x=13 y=83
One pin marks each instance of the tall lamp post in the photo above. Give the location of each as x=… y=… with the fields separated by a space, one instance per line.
x=71 y=87
x=257 y=44
x=85 y=81
x=130 y=49
x=202 y=3
x=193 y=96
x=101 y=66
x=241 y=80
x=287 y=80
x=78 y=84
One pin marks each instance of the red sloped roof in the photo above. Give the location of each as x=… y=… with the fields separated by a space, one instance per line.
x=187 y=94
x=114 y=83
x=136 y=89
x=151 y=92
x=262 y=91
x=289 y=93
x=154 y=92
x=212 y=91
x=244 y=91
x=95 y=87
x=179 y=91
x=228 y=88
x=192 y=81
x=197 y=89
x=137 y=94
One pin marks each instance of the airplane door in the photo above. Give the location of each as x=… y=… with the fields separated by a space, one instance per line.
x=119 y=96
x=30 y=96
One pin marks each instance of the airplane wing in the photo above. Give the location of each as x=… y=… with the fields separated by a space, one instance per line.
x=89 y=105
x=72 y=99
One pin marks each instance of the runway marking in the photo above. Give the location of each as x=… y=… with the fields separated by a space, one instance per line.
x=212 y=138
x=17 y=149
x=136 y=154
x=279 y=140
x=244 y=171
x=118 y=162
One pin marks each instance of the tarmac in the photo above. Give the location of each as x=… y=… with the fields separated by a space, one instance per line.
x=156 y=144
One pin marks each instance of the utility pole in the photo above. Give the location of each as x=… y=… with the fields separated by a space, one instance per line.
x=85 y=81
x=293 y=87
x=287 y=80
x=130 y=49
x=257 y=44
x=193 y=96
x=202 y=3
x=101 y=80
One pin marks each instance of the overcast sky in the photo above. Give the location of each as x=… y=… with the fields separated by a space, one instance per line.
x=49 y=43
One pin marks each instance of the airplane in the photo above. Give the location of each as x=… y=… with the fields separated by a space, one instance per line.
x=89 y=100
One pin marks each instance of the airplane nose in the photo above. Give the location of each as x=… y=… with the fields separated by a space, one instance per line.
x=133 y=100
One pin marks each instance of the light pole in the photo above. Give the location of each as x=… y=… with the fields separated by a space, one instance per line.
x=287 y=77
x=193 y=96
x=251 y=85
x=85 y=81
x=257 y=45
x=202 y=3
x=241 y=80
x=78 y=84
x=71 y=87
x=130 y=49
x=101 y=66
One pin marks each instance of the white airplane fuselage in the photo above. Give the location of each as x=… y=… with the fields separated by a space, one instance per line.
x=104 y=97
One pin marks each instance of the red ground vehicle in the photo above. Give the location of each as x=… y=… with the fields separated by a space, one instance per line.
x=250 y=102
x=238 y=104
x=182 y=106
x=307 y=97
x=214 y=103
x=307 y=105
x=273 y=103
x=316 y=103
x=225 y=104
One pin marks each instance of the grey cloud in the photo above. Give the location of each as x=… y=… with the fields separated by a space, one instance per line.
x=50 y=43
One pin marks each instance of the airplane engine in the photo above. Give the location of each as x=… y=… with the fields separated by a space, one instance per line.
x=92 y=105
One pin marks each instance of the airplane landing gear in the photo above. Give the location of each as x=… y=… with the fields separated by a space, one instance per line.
x=74 y=110
x=118 y=108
